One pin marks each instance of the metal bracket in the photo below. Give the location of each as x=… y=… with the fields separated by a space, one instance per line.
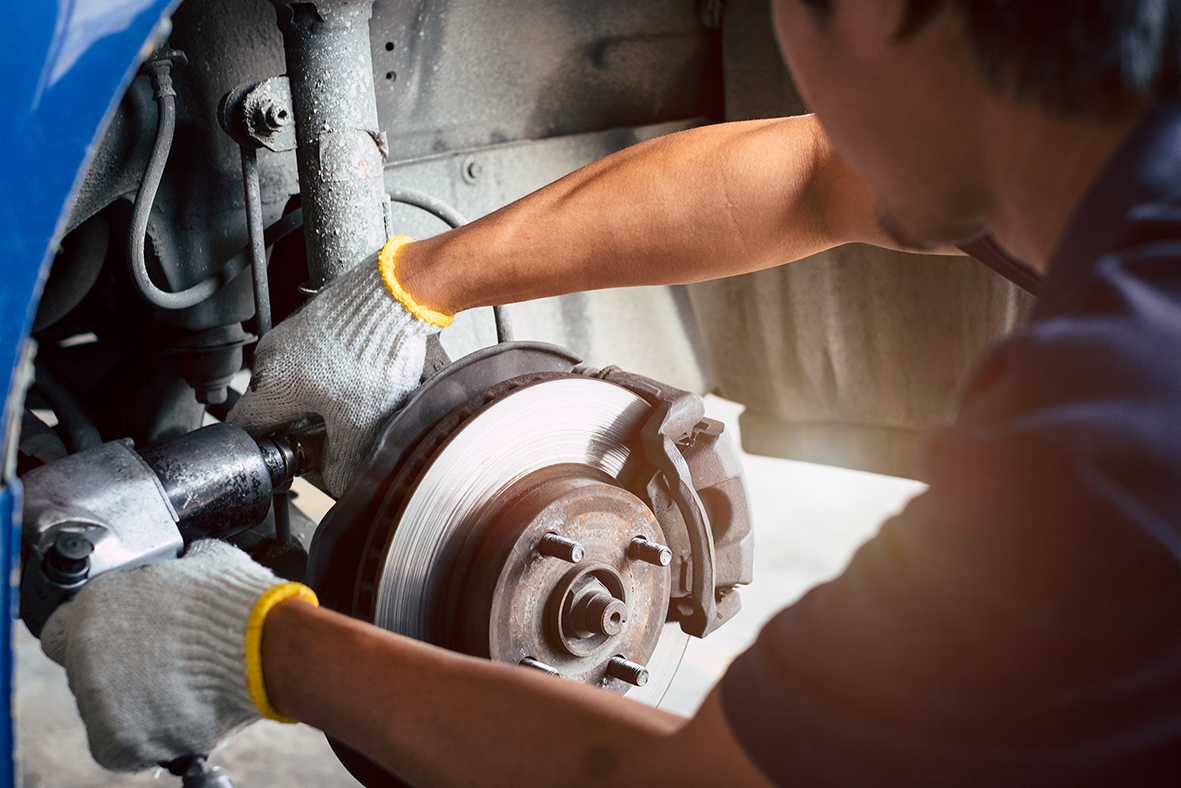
x=260 y=115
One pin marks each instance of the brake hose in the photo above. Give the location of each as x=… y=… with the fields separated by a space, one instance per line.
x=431 y=205
x=159 y=68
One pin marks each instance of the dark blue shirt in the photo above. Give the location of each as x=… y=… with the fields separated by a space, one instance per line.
x=1019 y=623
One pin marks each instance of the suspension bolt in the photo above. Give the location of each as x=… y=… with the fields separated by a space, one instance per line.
x=530 y=662
x=277 y=117
x=626 y=670
x=560 y=547
x=649 y=552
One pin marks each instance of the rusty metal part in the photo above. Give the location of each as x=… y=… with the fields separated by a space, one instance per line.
x=594 y=610
x=260 y=115
x=460 y=413
x=561 y=547
x=454 y=558
x=653 y=553
x=530 y=662
x=449 y=516
x=627 y=671
x=340 y=150
x=505 y=600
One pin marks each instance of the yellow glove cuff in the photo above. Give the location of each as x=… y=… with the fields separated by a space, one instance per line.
x=258 y=617
x=385 y=263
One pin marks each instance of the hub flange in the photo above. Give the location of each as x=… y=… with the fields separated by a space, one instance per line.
x=511 y=600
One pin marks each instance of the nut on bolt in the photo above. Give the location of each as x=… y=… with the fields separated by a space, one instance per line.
x=277 y=116
x=557 y=546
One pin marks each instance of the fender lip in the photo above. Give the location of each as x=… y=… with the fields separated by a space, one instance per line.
x=51 y=114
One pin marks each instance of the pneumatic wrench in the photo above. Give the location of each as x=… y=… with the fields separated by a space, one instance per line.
x=114 y=507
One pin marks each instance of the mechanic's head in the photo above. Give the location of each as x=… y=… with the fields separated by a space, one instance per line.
x=930 y=101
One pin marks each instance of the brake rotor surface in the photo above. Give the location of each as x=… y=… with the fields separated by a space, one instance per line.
x=585 y=428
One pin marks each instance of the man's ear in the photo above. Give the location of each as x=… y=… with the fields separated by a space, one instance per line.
x=871 y=23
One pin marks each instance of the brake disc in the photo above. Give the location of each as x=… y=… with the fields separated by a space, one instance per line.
x=458 y=554
x=507 y=512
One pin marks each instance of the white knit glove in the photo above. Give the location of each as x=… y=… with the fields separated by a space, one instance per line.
x=165 y=660
x=352 y=355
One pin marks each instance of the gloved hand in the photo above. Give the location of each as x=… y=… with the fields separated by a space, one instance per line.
x=165 y=660
x=352 y=355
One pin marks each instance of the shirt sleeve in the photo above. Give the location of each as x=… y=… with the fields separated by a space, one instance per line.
x=1020 y=622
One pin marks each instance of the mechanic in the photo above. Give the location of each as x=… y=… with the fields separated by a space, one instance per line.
x=1018 y=624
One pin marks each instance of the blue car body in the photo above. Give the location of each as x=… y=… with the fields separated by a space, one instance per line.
x=65 y=64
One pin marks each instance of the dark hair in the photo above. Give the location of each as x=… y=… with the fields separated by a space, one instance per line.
x=1076 y=58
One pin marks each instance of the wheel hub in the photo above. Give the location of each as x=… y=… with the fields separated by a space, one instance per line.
x=547 y=577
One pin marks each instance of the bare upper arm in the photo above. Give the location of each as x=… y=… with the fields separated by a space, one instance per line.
x=708 y=753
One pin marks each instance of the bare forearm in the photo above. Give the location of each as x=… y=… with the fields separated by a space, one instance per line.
x=701 y=204
x=438 y=718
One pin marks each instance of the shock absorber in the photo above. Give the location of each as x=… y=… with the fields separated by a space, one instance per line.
x=339 y=148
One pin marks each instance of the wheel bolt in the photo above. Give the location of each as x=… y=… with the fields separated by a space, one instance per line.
x=649 y=552
x=530 y=662
x=626 y=670
x=560 y=547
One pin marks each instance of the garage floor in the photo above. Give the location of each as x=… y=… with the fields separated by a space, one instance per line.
x=808 y=521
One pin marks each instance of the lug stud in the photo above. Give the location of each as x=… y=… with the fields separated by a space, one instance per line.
x=649 y=552
x=626 y=670
x=530 y=662
x=561 y=547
